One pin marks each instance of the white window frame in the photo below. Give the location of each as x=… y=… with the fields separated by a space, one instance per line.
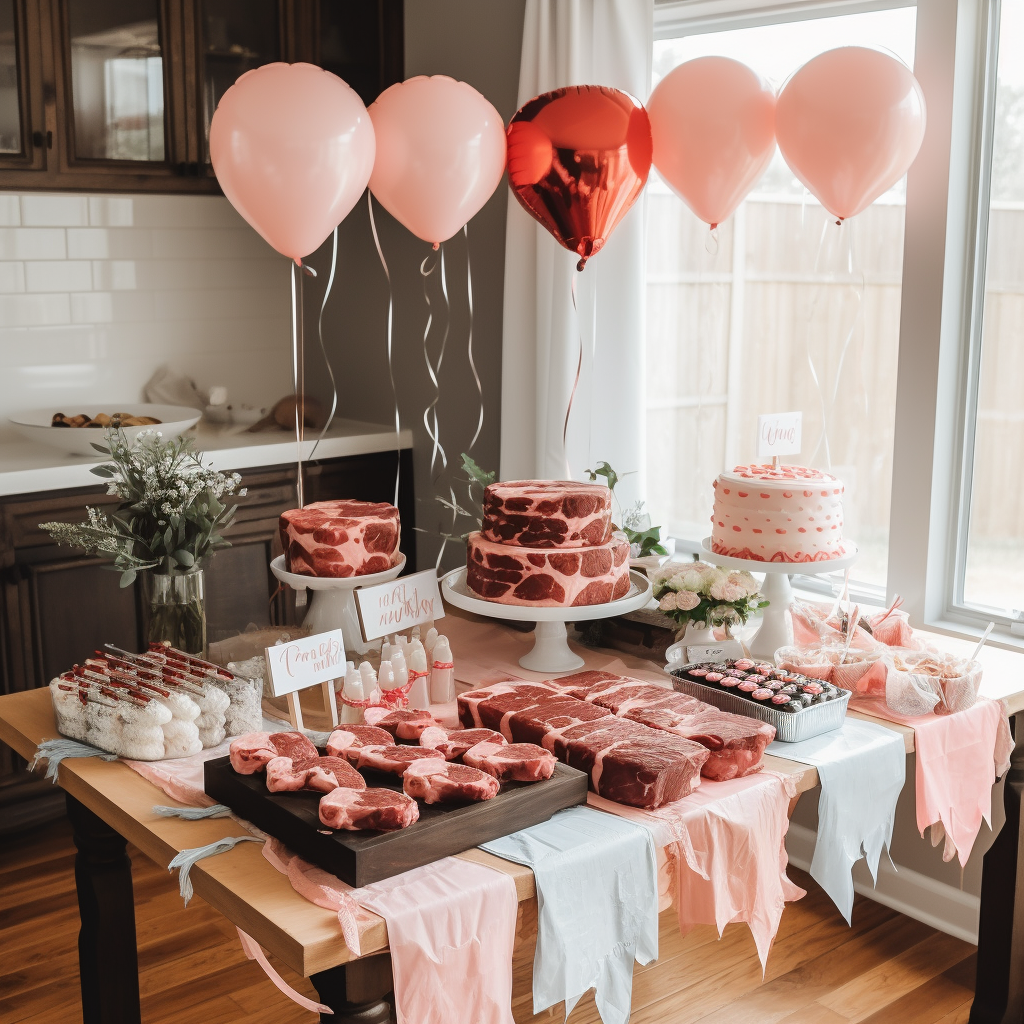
x=940 y=320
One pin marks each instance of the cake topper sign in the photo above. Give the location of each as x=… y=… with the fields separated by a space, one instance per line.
x=779 y=434
x=399 y=605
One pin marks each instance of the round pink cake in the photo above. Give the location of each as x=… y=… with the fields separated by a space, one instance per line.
x=341 y=538
x=783 y=514
x=547 y=513
x=548 y=577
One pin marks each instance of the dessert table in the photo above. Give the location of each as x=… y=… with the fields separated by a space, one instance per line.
x=110 y=805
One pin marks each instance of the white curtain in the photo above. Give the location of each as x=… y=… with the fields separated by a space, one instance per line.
x=576 y=42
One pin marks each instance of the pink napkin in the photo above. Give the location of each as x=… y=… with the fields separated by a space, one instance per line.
x=451 y=931
x=959 y=757
x=726 y=853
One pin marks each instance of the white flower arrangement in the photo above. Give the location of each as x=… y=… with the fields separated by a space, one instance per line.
x=706 y=594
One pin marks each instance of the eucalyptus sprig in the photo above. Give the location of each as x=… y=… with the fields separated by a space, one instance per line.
x=171 y=515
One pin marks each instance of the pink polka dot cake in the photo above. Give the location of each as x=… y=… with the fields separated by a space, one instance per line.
x=778 y=514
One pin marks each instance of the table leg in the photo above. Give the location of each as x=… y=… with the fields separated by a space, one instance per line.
x=107 y=955
x=355 y=991
x=999 y=988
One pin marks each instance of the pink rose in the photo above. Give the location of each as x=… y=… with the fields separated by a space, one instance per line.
x=687 y=600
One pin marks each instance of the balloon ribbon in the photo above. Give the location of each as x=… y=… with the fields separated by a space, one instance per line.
x=576 y=380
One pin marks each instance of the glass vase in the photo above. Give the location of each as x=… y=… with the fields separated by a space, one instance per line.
x=177 y=610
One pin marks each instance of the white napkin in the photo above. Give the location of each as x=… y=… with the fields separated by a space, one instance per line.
x=862 y=768
x=597 y=902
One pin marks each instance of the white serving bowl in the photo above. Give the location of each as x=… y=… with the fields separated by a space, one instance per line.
x=34 y=424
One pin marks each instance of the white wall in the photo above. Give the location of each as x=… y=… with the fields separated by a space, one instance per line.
x=96 y=292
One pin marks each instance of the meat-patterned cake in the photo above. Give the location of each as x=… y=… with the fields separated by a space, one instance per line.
x=341 y=538
x=547 y=513
x=778 y=514
x=548 y=577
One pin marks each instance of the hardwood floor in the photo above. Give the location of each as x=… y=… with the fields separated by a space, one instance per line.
x=885 y=969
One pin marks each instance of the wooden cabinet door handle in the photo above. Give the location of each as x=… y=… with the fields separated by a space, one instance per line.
x=38 y=140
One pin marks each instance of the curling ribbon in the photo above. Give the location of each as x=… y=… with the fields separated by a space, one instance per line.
x=254 y=951
x=430 y=418
x=323 y=347
x=469 y=348
x=576 y=380
x=395 y=698
x=391 y=317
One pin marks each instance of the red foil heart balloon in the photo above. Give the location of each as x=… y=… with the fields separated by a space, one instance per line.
x=577 y=160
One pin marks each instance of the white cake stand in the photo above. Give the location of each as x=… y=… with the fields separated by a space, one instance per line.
x=333 y=606
x=551 y=652
x=777 y=626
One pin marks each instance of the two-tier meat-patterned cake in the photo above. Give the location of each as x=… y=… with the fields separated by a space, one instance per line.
x=778 y=514
x=341 y=538
x=548 y=544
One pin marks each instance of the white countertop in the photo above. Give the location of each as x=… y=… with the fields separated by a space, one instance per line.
x=26 y=467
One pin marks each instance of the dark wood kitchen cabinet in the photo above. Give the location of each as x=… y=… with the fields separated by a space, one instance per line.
x=57 y=606
x=117 y=95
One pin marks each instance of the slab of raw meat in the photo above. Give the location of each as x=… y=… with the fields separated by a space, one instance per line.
x=548 y=577
x=251 y=752
x=402 y=725
x=436 y=782
x=383 y=810
x=547 y=513
x=452 y=745
x=736 y=743
x=340 y=538
x=512 y=762
x=394 y=759
x=469 y=702
x=320 y=774
x=345 y=742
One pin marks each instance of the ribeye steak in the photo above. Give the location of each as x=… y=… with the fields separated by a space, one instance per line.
x=383 y=810
x=437 y=781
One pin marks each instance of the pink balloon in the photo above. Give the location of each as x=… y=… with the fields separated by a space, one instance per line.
x=849 y=124
x=713 y=123
x=440 y=154
x=292 y=147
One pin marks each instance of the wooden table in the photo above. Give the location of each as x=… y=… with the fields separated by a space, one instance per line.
x=110 y=805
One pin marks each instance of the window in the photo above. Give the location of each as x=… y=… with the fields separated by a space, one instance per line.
x=990 y=549
x=784 y=310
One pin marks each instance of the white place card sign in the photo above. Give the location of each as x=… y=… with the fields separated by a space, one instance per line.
x=399 y=605
x=779 y=434
x=714 y=652
x=307 y=661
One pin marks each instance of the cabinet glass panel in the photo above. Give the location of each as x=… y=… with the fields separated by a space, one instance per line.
x=238 y=35
x=117 y=79
x=10 y=107
x=350 y=44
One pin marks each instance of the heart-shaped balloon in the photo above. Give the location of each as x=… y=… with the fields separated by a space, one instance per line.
x=713 y=123
x=849 y=124
x=292 y=147
x=578 y=158
x=440 y=154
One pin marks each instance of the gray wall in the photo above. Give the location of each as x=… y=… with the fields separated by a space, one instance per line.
x=479 y=42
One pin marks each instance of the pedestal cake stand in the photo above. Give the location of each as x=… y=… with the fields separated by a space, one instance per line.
x=333 y=606
x=776 y=627
x=551 y=652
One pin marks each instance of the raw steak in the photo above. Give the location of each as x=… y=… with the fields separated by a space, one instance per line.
x=548 y=577
x=438 y=782
x=380 y=809
x=321 y=774
x=736 y=743
x=251 y=752
x=394 y=760
x=452 y=745
x=469 y=703
x=345 y=742
x=547 y=513
x=340 y=538
x=512 y=762
x=402 y=725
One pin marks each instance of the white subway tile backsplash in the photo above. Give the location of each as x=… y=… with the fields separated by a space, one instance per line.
x=33 y=244
x=97 y=292
x=10 y=211
x=111 y=211
x=44 y=210
x=28 y=310
x=58 y=276
x=12 y=277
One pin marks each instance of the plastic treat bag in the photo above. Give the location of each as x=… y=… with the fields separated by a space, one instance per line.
x=919 y=682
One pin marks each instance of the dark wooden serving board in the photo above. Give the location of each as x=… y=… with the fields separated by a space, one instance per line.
x=363 y=857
